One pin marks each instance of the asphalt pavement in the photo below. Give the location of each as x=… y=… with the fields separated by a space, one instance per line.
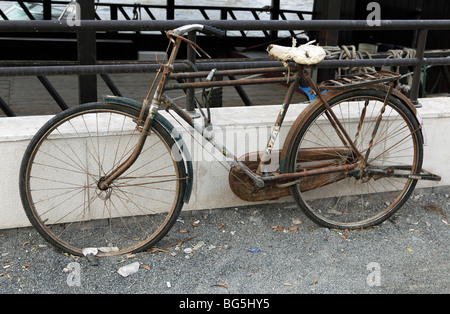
x=262 y=249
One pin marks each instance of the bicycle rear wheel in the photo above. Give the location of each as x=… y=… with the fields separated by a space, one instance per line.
x=67 y=158
x=352 y=200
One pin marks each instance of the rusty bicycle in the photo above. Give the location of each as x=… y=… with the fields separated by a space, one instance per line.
x=114 y=175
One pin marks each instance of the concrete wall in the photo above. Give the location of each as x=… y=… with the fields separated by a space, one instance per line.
x=250 y=127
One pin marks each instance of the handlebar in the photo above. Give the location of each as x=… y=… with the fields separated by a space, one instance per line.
x=205 y=29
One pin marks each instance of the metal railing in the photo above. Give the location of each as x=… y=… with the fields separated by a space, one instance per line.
x=418 y=62
x=142 y=11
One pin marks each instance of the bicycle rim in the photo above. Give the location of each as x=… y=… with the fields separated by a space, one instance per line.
x=66 y=160
x=346 y=201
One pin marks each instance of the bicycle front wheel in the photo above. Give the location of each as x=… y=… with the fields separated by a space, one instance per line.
x=364 y=198
x=67 y=158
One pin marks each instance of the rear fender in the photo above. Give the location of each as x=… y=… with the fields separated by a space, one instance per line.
x=172 y=131
x=405 y=100
x=315 y=104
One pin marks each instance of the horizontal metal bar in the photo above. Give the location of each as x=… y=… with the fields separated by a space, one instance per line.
x=436 y=61
x=150 y=25
x=227 y=83
x=227 y=73
x=204 y=66
x=77 y=69
x=432 y=56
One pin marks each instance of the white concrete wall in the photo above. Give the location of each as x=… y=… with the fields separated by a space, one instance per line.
x=211 y=189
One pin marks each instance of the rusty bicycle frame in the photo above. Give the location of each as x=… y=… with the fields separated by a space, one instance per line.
x=293 y=76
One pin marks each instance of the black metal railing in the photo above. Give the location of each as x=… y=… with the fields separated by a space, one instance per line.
x=142 y=11
x=418 y=62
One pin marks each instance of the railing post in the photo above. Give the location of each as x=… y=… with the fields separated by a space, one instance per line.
x=415 y=85
x=87 y=54
x=327 y=10
x=170 y=10
x=47 y=8
x=113 y=12
x=274 y=15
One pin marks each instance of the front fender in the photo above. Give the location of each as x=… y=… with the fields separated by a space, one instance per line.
x=171 y=129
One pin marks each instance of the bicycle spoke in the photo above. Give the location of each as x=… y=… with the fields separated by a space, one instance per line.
x=361 y=198
x=68 y=162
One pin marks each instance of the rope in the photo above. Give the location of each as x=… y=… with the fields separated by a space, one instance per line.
x=398 y=54
x=332 y=52
x=350 y=53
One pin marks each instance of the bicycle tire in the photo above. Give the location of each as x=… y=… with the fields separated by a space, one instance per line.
x=65 y=160
x=342 y=200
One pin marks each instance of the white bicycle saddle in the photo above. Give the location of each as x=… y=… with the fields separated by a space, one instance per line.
x=307 y=54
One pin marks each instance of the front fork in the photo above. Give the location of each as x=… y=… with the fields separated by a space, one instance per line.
x=105 y=182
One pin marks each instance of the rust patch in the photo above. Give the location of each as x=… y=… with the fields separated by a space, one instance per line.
x=308 y=159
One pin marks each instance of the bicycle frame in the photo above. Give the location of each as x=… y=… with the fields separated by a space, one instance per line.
x=258 y=177
x=70 y=180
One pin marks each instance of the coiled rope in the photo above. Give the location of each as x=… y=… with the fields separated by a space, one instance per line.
x=350 y=53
